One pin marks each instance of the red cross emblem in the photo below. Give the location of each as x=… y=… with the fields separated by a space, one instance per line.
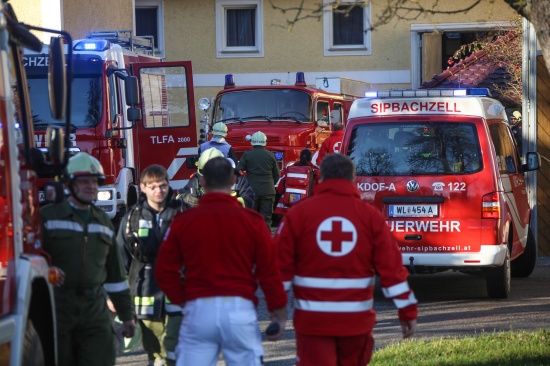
x=336 y=236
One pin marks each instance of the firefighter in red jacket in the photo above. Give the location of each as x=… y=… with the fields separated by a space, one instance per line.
x=331 y=145
x=331 y=246
x=223 y=264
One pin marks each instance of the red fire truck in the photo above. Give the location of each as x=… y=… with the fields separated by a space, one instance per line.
x=129 y=110
x=27 y=316
x=293 y=117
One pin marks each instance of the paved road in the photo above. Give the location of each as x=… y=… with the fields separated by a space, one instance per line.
x=450 y=304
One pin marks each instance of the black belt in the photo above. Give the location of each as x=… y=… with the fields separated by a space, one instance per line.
x=83 y=291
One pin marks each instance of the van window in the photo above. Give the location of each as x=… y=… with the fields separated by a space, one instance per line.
x=504 y=148
x=404 y=148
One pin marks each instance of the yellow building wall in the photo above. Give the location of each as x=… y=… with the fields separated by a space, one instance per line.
x=190 y=34
x=78 y=17
x=28 y=11
x=81 y=17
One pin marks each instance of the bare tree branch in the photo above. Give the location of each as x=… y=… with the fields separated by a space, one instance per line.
x=394 y=9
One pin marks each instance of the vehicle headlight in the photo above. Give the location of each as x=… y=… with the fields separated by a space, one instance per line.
x=104 y=195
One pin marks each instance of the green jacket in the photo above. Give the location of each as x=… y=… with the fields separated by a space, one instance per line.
x=86 y=252
x=261 y=170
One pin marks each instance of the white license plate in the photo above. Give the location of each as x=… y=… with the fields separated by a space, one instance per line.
x=423 y=210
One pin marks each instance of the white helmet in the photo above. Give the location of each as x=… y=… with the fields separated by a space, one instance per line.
x=207 y=155
x=219 y=129
x=258 y=139
x=84 y=165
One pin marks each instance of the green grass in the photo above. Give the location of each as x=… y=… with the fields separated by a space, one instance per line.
x=488 y=349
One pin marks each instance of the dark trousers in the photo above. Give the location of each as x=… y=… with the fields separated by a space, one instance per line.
x=173 y=326
x=264 y=205
x=85 y=331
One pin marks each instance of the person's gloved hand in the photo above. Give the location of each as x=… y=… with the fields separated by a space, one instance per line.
x=128 y=328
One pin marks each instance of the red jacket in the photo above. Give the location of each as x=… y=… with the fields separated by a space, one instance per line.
x=331 y=145
x=226 y=250
x=330 y=248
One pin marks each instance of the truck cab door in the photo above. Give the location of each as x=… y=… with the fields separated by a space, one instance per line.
x=167 y=133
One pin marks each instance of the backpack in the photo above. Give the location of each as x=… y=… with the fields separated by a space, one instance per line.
x=298 y=184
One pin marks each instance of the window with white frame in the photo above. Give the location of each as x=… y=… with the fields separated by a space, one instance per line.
x=239 y=28
x=346 y=28
x=150 y=22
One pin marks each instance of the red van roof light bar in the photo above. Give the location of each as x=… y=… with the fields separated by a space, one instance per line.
x=480 y=92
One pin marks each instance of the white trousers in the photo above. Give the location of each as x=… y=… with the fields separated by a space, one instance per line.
x=211 y=324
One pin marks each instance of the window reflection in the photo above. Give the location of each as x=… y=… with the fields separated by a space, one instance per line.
x=412 y=148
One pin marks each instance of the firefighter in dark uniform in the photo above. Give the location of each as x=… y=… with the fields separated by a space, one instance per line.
x=262 y=173
x=81 y=241
x=139 y=238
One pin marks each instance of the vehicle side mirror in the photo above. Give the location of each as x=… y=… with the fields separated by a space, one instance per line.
x=133 y=114
x=533 y=162
x=55 y=142
x=192 y=162
x=57 y=78
x=132 y=90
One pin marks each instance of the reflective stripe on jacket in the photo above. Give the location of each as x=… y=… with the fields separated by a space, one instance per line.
x=86 y=252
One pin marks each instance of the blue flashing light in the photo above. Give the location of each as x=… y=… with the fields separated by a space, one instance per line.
x=279 y=155
x=482 y=92
x=300 y=79
x=95 y=45
x=371 y=94
x=229 y=82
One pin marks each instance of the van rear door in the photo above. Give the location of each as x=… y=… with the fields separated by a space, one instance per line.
x=426 y=175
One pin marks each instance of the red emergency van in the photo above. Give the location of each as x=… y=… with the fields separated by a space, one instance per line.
x=443 y=167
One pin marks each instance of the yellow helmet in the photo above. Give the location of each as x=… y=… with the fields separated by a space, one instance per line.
x=84 y=165
x=258 y=139
x=207 y=155
x=219 y=129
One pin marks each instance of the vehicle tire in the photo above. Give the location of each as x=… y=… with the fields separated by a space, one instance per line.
x=498 y=279
x=524 y=265
x=33 y=354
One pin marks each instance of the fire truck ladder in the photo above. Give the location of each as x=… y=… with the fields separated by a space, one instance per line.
x=142 y=44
